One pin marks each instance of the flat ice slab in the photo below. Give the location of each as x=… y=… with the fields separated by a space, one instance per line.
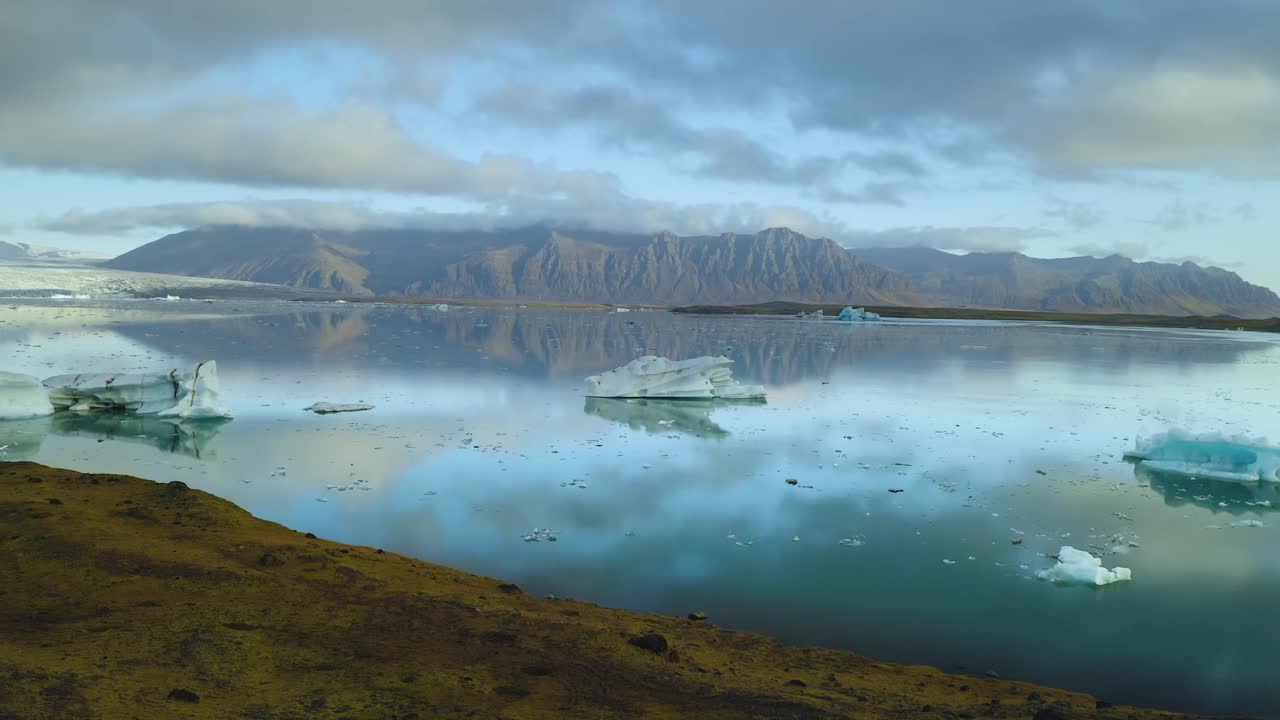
x=22 y=397
x=192 y=394
x=1077 y=567
x=1210 y=456
x=655 y=377
x=325 y=408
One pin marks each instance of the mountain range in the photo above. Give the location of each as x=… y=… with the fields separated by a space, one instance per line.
x=540 y=263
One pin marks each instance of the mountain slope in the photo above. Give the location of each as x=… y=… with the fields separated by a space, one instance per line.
x=533 y=263
x=546 y=264
x=1072 y=285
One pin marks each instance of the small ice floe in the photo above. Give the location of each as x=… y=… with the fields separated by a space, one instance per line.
x=1212 y=456
x=189 y=395
x=22 y=397
x=948 y=562
x=1077 y=567
x=1248 y=523
x=656 y=377
x=540 y=534
x=851 y=542
x=326 y=408
x=815 y=315
x=852 y=314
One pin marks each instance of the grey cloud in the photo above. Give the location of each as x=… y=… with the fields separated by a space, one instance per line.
x=606 y=211
x=622 y=119
x=1177 y=216
x=982 y=238
x=244 y=140
x=1077 y=216
x=1131 y=250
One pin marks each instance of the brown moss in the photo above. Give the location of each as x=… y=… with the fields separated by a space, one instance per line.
x=107 y=614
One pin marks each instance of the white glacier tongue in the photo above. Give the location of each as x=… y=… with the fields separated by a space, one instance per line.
x=656 y=377
x=1210 y=456
x=22 y=397
x=1077 y=567
x=191 y=394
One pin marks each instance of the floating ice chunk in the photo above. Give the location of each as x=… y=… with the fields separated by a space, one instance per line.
x=852 y=314
x=1212 y=456
x=439 y=306
x=656 y=377
x=22 y=397
x=815 y=315
x=325 y=408
x=1077 y=567
x=191 y=394
x=1248 y=523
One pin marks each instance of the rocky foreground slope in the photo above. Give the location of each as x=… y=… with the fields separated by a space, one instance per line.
x=124 y=598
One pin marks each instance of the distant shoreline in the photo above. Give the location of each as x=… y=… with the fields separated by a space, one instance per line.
x=894 y=312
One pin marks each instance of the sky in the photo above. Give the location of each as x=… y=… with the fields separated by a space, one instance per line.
x=1149 y=128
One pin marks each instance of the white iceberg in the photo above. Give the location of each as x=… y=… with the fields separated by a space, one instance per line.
x=192 y=395
x=1077 y=567
x=852 y=314
x=325 y=408
x=815 y=315
x=22 y=397
x=1212 y=456
x=656 y=377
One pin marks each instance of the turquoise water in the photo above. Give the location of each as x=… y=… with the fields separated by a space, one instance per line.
x=991 y=431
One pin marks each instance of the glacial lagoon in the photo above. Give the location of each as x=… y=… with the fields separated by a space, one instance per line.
x=921 y=452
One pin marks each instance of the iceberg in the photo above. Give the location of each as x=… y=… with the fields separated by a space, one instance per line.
x=325 y=408
x=191 y=395
x=1211 y=456
x=1077 y=567
x=852 y=314
x=656 y=377
x=815 y=315
x=22 y=397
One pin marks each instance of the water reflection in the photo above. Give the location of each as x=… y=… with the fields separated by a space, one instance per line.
x=193 y=439
x=1213 y=495
x=692 y=417
x=22 y=439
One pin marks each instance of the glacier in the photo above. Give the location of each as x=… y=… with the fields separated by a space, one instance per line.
x=1211 y=456
x=852 y=314
x=1078 y=567
x=22 y=397
x=193 y=394
x=656 y=377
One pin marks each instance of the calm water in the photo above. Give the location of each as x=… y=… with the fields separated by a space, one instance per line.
x=992 y=431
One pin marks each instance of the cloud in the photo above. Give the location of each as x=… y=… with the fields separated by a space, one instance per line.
x=1176 y=217
x=1076 y=216
x=1245 y=212
x=620 y=118
x=606 y=212
x=969 y=239
x=1131 y=250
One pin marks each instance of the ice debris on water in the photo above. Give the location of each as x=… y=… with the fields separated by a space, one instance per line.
x=326 y=408
x=1211 y=456
x=22 y=397
x=656 y=377
x=540 y=534
x=1077 y=567
x=192 y=394
x=815 y=315
x=852 y=314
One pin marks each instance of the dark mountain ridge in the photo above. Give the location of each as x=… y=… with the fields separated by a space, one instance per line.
x=542 y=263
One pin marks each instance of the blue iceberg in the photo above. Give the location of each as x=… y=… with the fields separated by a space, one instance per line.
x=852 y=314
x=1212 y=456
